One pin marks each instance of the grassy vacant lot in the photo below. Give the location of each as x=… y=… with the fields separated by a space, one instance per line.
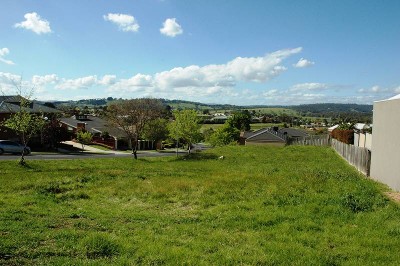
x=259 y=205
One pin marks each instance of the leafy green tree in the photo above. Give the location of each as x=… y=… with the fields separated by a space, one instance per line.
x=208 y=133
x=224 y=135
x=185 y=126
x=84 y=138
x=240 y=120
x=156 y=130
x=25 y=123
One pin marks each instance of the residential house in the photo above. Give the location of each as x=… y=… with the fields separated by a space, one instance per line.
x=262 y=137
x=362 y=135
x=219 y=118
x=97 y=126
x=293 y=133
x=11 y=104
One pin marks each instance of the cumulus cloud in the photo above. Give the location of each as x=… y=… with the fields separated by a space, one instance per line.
x=139 y=82
x=210 y=77
x=171 y=28
x=44 y=80
x=123 y=21
x=108 y=80
x=3 y=53
x=303 y=63
x=75 y=84
x=8 y=82
x=312 y=86
x=34 y=23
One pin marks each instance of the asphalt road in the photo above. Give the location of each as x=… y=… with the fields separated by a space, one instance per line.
x=84 y=155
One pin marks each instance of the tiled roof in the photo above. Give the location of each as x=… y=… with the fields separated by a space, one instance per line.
x=266 y=135
x=94 y=125
x=11 y=104
x=292 y=132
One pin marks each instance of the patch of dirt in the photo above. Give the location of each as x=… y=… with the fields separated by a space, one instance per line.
x=395 y=196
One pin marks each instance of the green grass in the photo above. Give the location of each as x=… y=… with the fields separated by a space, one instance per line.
x=260 y=205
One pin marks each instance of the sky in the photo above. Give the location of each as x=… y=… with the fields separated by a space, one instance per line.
x=243 y=52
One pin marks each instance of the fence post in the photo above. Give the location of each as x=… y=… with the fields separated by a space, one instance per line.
x=368 y=170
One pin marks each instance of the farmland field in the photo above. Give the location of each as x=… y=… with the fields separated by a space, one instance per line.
x=258 y=205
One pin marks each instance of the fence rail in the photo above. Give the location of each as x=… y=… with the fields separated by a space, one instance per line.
x=359 y=157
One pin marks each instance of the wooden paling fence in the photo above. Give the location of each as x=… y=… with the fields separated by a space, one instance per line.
x=312 y=140
x=359 y=157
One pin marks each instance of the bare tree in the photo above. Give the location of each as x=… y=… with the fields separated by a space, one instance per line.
x=132 y=116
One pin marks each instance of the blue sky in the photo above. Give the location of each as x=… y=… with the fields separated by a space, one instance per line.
x=220 y=51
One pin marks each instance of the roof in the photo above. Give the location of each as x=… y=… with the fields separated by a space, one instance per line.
x=94 y=124
x=265 y=135
x=292 y=132
x=11 y=104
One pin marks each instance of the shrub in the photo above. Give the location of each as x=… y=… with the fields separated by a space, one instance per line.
x=224 y=136
x=345 y=136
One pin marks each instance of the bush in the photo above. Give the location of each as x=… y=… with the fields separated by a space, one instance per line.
x=224 y=136
x=345 y=136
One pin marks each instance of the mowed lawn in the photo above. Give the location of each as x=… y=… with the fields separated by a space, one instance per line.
x=257 y=206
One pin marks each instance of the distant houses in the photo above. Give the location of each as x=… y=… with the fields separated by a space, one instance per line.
x=12 y=104
x=102 y=132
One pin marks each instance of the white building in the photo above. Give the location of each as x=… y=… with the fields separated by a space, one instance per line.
x=385 y=157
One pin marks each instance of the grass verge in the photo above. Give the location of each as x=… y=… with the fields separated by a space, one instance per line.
x=259 y=205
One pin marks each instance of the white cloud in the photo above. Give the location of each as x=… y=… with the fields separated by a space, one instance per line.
x=312 y=86
x=75 y=84
x=124 y=22
x=270 y=93
x=376 y=90
x=171 y=28
x=8 y=82
x=108 y=80
x=139 y=82
x=207 y=80
x=303 y=63
x=4 y=52
x=34 y=23
x=44 y=80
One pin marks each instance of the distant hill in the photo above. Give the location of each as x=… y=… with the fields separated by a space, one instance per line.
x=318 y=109
x=334 y=108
